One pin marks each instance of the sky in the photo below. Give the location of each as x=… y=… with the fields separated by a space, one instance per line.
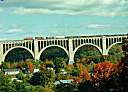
x=31 y=18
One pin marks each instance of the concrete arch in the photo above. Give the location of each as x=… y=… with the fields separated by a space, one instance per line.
x=100 y=50
x=15 y=48
x=38 y=58
x=107 y=50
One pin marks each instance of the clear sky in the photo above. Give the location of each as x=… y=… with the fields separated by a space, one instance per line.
x=30 y=18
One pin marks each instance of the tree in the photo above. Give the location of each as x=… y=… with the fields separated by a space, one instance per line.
x=116 y=53
x=124 y=74
x=60 y=63
x=47 y=89
x=49 y=64
x=47 y=77
x=36 y=79
x=5 y=83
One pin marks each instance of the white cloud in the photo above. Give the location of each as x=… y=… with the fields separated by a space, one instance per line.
x=72 y=7
x=23 y=11
x=99 y=26
x=13 y=30
x=74 y=3
x=1 y=26
x=97 y=11
x=1 y=39
x=109 y=1
x=14 y=26
x=1 y=9
x=1 y=30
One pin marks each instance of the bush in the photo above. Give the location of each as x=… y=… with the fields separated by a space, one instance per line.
x=36 y=79
x=20 y=76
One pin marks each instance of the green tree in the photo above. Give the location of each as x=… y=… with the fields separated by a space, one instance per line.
x=116 y=53
x=36 y=79
x=60 y=63
x=124 y=73
x=48 y=77
x=24 y=86
x=75 y=72
x=5 y=83
x=20 y=76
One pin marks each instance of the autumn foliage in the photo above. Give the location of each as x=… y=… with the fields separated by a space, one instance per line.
x=30 y=66
x=103 y=70
x=106 y=69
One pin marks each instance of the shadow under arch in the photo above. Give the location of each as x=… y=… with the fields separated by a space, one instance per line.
x=50 y=46
x=86 y=44
x=112 y=46
x=17 y=47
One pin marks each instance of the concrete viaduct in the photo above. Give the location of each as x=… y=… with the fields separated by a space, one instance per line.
x=69 y=44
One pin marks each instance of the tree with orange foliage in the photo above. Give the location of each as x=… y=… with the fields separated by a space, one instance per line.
x=30 y=67
x=85 y=74
x=106 y=76
x=104 y=70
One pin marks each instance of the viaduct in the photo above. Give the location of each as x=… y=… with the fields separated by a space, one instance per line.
x=69 y=44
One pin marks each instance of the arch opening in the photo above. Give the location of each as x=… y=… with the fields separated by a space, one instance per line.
x=87 y=53
x=18 y=54
x=55 y=57
x=53 y=52
x=115 y=53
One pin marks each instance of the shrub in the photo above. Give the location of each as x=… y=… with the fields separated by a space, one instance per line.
x=36 y=79
x=20 y=76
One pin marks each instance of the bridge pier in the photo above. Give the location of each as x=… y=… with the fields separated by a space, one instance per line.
x=71 y=55
x=36 y=50
x=104 y=50
x=71 y=61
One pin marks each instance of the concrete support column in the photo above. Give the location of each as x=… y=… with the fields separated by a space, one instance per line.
x=36 y=52
x=104 y=51
x=40 y=45
x=71 y=55
x=28 y=44
x=31 y=45
x=1 y=53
